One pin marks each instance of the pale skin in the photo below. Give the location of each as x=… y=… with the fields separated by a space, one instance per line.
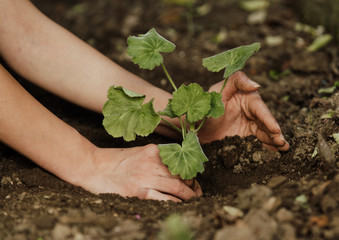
x=51 y=57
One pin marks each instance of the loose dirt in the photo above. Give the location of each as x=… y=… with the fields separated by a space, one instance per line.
x=278 y=195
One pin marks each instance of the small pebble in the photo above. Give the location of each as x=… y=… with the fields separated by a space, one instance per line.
x=283 y=215
x=276 y=181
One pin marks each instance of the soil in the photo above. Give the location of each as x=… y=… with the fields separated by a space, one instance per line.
x=276 y=195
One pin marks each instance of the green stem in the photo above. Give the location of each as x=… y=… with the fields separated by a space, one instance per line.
x=192 y=127
x=183 y=129
x=202 y=123
x=168 y=76
x=190 y=24
x=172 y=125
x=223 y=86
x=185 y=125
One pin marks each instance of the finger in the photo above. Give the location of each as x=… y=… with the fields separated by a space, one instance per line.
x=173 y=186
x=163 y=171
x=275 y=140
x=284 y=147
x=195 y=186
x=277 y=148
x=238 y=81
x=269 y=143
x=280 y=142
x=190 y=183
x=263 y=117
x=257 y=110
x=156 y=195
x=261 y=134
x=197 y=189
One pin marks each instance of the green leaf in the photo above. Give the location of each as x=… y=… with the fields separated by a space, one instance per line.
x=315 y=152
x=254 y=5
x=192 y=100
x=145 y=49
x=328 y=90
x=125 y=115
x=217 y=106
x=233 y=60
x=168 y=110
x=302 y=200
x=328 y=115
x=186 y=160
x=78 y=9
x=129 y=93
x=320 y=42
x=175 y=228
x=180 y=2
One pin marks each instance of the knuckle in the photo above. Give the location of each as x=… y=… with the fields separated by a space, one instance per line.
x=255 y=95
x=152 y=149
x=178 y=186
x=150 y=153
x=237 y=75
x=144 y=193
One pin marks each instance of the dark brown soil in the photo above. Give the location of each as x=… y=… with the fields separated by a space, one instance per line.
x=286 y=195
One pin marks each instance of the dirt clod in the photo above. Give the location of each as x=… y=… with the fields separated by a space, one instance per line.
x=241 y=172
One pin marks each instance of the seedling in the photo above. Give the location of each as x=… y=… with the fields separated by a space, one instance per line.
x=191 y=11
x=125 y=114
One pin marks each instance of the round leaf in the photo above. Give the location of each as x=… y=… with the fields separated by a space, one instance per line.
x=217 y=106
x=125 y=115
x=186 y=160
x=145 y=49
x=192 y=100
x=168 y=110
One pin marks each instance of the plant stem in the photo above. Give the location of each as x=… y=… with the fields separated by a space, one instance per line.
x=172 y=125
x=223 y=86
x=185 y=124
x=168 y=76
x=192 y=127
x=190 y=24
x=202 y=123
x=183 y=129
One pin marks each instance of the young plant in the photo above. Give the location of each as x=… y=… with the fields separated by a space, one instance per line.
x=126 y=115
x=191 y=11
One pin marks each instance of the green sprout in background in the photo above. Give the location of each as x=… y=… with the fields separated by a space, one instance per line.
x=126 y=115
x=192 y=10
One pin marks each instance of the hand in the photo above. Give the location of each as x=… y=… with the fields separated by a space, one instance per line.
x=136 y=172
x=245 y=114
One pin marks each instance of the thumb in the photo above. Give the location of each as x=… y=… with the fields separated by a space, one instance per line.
x=238 y=81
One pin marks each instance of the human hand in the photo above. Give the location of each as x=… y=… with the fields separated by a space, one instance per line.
x=245 y=114
x=136 y=172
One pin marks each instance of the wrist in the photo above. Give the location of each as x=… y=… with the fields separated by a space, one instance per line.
x=80 y=166
x=98 y=176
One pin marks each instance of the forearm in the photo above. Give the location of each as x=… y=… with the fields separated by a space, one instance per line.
x=31 y=129
x=53 y=58
x=50 y=56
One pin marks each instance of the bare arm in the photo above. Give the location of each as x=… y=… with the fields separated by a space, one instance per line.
x=49 y=56
x=31 y=129
x=35 y=132
x=53 y=58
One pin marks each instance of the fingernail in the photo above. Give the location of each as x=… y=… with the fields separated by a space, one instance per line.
x=254 y=84
x=282 y=138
